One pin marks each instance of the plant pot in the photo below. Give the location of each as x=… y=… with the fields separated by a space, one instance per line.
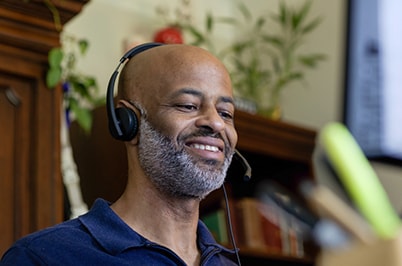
x=274 y=113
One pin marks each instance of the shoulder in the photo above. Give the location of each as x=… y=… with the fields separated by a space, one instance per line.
x=91 y=239
x=38 y=247
x=63 y=241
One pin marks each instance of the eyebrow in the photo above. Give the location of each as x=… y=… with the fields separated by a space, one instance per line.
x=197 y=93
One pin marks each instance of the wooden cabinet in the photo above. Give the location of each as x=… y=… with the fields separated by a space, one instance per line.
x=275 y=150
x=31 y=190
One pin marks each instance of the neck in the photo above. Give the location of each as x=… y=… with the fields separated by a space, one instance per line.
x=170 y=222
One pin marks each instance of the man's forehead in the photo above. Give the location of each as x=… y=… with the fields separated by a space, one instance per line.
x=220 y=97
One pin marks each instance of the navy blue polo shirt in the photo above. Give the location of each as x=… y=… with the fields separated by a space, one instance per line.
x=100 y=237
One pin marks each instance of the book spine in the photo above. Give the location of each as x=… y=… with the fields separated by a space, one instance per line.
x=251 y=223
x=216 y=223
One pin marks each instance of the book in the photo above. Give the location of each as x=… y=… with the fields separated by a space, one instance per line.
x=216 y=223
x=250 y=225
x=271 y=227
x=234 y=220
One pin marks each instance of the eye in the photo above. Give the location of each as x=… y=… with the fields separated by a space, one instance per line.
x=227 y=115
x=187 y=107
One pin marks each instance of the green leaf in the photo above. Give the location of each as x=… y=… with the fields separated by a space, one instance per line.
x=199 y=37
x=245 y=12
x=276 y=66
x=80 y=88
x=296 y=19
x=283 y=14
x=311 y=60
x=227 y=20
x=238 y=48
x=90 y=82
x=239 y=65
x=312 y=25
x=53 y=77
x=70 y=60
x=260 y=23
x=209 y=22
x=300 y=15
x=294 y=76
x=275 y=40
x=83 y=46
x=55 y=57
x=82 y=115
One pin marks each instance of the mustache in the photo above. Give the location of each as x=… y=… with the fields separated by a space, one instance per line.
x=206 y=132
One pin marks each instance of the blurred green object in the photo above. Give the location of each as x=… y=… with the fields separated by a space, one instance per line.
x=359 y=179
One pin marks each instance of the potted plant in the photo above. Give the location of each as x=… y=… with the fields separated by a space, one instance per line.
x=79 y=90
x=266 y=56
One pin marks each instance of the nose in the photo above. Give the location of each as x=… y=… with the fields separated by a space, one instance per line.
x=210 y=118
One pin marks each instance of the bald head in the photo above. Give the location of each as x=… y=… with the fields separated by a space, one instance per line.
x=151 y=71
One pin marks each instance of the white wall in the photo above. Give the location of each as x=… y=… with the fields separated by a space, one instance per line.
x=320 y=101
x=108 y=23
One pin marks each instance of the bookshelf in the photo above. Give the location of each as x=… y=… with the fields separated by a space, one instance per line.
x=275 y=150
x=279 y=152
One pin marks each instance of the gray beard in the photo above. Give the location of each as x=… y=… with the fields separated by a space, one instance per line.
x=175 y=172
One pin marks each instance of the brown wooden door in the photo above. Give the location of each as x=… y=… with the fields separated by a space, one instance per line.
x=31 y=192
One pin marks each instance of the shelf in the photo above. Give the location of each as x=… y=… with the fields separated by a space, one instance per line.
x=265 y=255
x=275 y=150
x=274 y=138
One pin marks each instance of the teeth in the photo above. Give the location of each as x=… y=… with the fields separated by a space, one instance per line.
x=206 y=147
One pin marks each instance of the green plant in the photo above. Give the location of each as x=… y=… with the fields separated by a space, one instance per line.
x=266 y=55
x=281 y=49
x=79 y=90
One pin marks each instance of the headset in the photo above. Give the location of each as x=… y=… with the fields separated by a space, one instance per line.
x=123 y=122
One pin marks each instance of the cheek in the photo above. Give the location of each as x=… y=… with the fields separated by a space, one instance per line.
x=168 y=126
x=232 y=136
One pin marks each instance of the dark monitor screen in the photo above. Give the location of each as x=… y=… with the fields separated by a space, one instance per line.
x=373 y=77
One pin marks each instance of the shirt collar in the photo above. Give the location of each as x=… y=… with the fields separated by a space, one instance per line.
x=111 y=232
x=115 y=236
x=206 y=240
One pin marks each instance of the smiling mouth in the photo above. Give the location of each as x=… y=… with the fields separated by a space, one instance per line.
x=205 y=147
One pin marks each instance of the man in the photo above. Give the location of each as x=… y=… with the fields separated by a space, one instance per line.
x=186 y=139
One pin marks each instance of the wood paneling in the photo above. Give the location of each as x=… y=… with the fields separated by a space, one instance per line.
x=31 y=189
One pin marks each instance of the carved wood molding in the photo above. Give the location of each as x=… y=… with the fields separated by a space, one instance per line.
x=274 y=138
x=29 y=25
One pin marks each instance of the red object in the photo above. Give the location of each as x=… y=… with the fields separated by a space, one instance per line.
x=169 y=35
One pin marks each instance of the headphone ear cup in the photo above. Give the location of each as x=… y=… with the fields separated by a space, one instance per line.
x=128 y=123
